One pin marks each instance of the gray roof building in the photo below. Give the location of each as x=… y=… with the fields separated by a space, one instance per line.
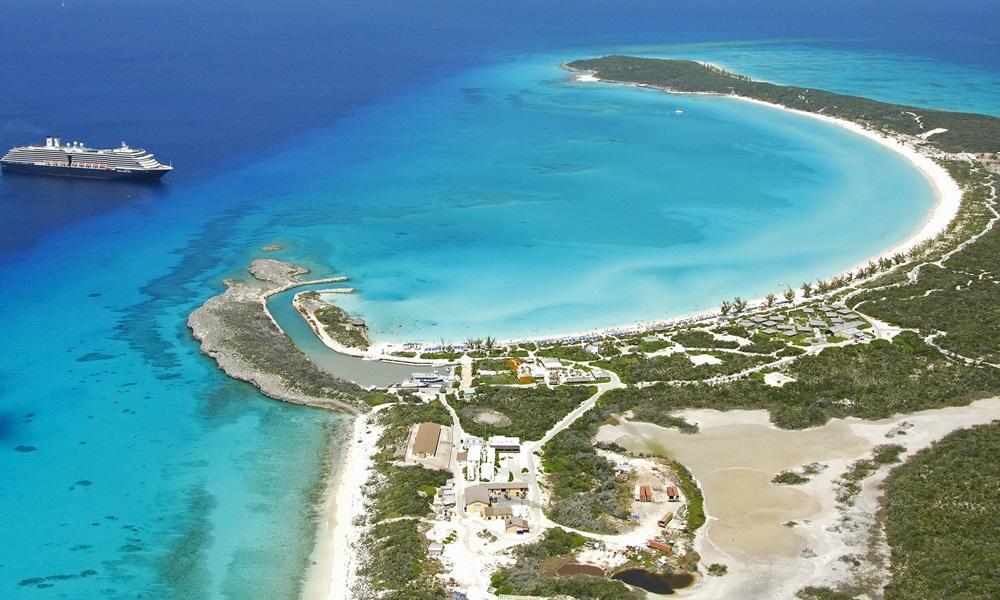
x=477 y=493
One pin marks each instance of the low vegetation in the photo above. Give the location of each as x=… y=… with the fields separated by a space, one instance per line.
x=957 y=297
x=692 y=495
x=702 y=339
x=585 y=492
x=532 y=574
x=966 y=132
x=337 y=324
x=761 y=344
x=870 y=381
x=635 y=368
x=942 y=519
x=395 y=562
x=850 y=482
x=246 y=331
x=576 y=353
x=441 y=355
x=530 y=411
x=789 y=478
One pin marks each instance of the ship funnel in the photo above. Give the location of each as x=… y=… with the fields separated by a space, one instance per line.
x=57 y=142
x=48 y=141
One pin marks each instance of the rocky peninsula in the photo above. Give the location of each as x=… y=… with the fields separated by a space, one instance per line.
x=236 y=330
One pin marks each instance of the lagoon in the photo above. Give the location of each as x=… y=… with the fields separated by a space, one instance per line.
x=515 y=202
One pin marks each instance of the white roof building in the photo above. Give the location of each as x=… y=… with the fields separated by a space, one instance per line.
x=551 y=363
x=502 y=442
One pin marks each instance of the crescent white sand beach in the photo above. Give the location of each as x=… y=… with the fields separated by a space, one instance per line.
x=947 y=194
x=776 y=539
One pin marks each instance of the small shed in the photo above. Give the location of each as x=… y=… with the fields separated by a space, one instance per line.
x=645 y=493
x=659 y=546
x=673 y=494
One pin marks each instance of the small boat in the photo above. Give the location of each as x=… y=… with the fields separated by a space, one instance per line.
x=427 y=377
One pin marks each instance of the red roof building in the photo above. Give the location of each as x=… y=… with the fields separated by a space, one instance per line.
x=673 y=494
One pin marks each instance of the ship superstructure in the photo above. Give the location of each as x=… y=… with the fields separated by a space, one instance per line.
x=77 y=160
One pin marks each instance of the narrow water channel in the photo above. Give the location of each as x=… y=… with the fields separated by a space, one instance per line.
x=360 y=371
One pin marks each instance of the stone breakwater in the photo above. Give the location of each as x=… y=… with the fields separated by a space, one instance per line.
x=238 y=332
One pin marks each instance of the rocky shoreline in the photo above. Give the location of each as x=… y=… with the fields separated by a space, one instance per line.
x=238 y=332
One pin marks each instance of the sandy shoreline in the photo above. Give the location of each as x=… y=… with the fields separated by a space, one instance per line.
x=947 y=194
x=334 y=565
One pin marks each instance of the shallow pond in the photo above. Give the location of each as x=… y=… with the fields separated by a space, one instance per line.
x=657 y=583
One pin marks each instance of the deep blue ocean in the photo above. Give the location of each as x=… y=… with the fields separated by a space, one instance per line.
x=434 y=152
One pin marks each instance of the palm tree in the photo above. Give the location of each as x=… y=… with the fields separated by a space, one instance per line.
x=490 y=342
x=789 y=295
x=739 y=304
x=726 y=307
x=807 y=289
x=769 y=300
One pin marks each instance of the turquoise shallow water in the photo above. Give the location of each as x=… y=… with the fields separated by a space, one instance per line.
x=511 y=201
x=498 y=200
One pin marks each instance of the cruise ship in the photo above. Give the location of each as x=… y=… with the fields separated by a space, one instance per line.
x=76 y=160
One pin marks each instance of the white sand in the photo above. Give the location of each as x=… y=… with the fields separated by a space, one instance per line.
x=334 y=563
x=704 y=359
x=777 y=379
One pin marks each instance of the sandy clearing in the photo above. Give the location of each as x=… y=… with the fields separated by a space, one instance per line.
x=734 y=457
